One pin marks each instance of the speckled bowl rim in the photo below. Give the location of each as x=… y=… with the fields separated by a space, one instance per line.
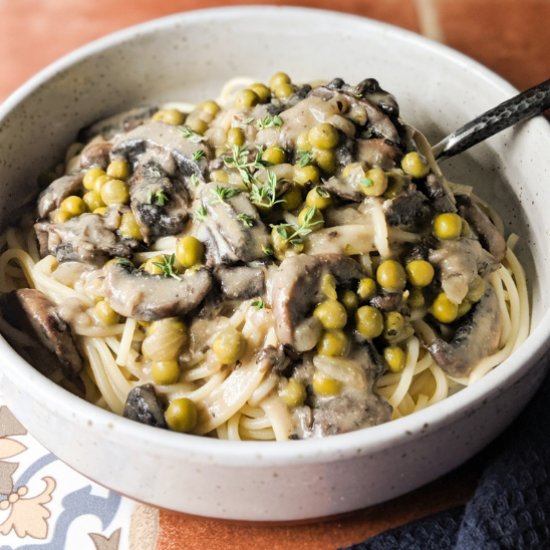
x=337 y=447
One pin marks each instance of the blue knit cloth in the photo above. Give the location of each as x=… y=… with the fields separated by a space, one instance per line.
x=511 y=505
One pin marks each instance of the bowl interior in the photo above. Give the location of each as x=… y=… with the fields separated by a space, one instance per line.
x=189 y=57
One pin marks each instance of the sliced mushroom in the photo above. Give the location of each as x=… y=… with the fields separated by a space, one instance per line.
x=379 y=122
x=30 y=312
x=377 y=152
x=95 y=154
x=137 y=294
x=345 y=188
x=59 y=189
x=232 y=228
x=477 y=336
x=297 y=289
x=157 y=139
x=121 y=122
x=437 y=190
x=241 y=282
x=459 y=262
x=410 y=210
x=143 y=405
x=160 y=204
x=370 y=89
x=357 y=406
x=87 y=238
x=489 y=236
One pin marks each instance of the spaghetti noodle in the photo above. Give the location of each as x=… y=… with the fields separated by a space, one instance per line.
x=337 y=345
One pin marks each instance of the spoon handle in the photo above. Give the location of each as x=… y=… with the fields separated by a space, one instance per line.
x=524 y=105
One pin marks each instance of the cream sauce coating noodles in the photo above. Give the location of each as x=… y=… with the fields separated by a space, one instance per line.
x=286 y=262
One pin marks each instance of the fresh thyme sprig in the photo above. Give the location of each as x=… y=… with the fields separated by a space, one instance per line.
x=265 y=195
x=246 y=219
x=191 y=135
x=239 y=160
x=304 y=158
x=295 y=234
x=222 y=194
x=157 y=198
x=198 y=155
x=125 y=262
x=269 y=122
x=201 y=213
x=167 y=266
x=259 y=303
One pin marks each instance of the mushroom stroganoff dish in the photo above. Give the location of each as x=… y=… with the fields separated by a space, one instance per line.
x=286 y=262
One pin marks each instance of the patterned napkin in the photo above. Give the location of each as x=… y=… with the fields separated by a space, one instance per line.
x=45 y=505
x=511 y=505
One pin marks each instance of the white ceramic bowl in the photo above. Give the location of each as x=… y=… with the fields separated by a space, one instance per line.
x=187 y=57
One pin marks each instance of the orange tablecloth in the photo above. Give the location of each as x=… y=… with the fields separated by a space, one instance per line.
x=509 y=36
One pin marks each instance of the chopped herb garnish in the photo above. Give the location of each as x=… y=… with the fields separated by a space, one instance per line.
x=303 y=158
x=194 y=179
x=201 y=213
x=246 y=220
x=366 y=182
x=267 y=250
x=124 y=262
x=239 y=157
x=158 y=198
x=265 y=195
x=167 y=266
x=198 y=155
x=191 y=135
x=259 y=303
x=248 y=120
x=239 y=160
x=223 y=194
x=322 y=192
x=295 y=235
x=269 y=122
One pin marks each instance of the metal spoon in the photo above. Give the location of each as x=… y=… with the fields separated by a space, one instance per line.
x=529 y=103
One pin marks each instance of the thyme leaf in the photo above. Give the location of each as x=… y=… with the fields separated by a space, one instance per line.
x=157 y=198
x=194 y=179
x=191 y=135
x=269 y=122
x=259 y=303
x=124 y=262
x=198 y=155
x=201 y=213
x=267 y=250
x=167 y=266
x=246 y=220
x=222 y=194
x=239 y=159
x=265 y=195
x=304 y=158
x=295 y=234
